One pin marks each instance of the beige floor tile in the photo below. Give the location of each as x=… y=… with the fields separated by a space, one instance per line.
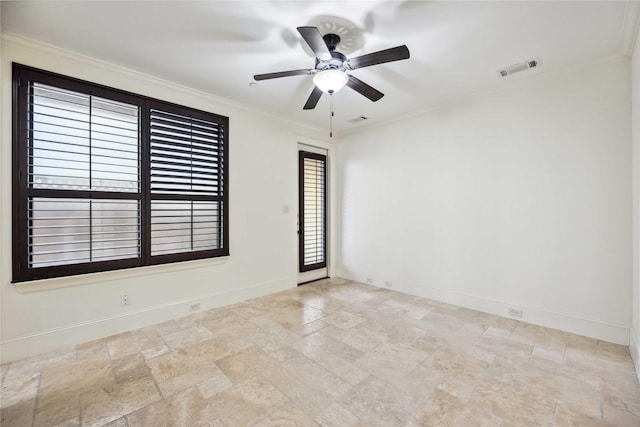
x=18 y=415
x=617 y=417
x=93 y=350
x=15 y=389
x=622 y=393
x=130 y=367
x=287 y=415
x=106 y=404
x=270 y=341
x=150 y=353
x=214 y=385
x=361 y=337
x=318 y=345
x=308 y=328
x=504 y=347
x=442 y=321
x=311 y=391
x=187 y=408
x=133 y=343
x=177 y=362
x=120 y=422
x=395 y=411
x=492 y=331
x=187 y=379
x=283 y=353
x=61 y=387
x=297 y=317
x=246 y=363
x=56 y=408
x=231 y=327
x=35 y=364
x=539 y=336
x=573 y=394
x=553 y=368
x=444 y=409
x=513 y=404
x=3 y=370
x=217 y=348
x=460 y=373
x=567 y=417
x=343 y=320
x=391 y=360
x=337 y=415
x=163 y=328
x=186 y=337
x=544 y=353
x=247 y=402
x=487 y=320
x=71 y=422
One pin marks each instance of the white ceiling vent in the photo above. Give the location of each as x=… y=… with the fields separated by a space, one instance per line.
x=358 y=119
x=516 y=68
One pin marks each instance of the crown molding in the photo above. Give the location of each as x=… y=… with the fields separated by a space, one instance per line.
x=18 y=40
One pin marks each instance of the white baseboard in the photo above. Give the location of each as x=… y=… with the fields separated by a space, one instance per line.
x=70 y=335
x=634 y=349
x=587 y=327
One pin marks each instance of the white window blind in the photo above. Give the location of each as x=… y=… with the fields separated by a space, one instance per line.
x=313 y=206
x=186 y=183
x=80 y=144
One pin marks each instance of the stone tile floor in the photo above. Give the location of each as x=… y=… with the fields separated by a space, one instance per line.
x=333 y=353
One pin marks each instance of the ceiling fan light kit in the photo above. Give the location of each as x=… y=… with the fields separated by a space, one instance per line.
x=330 y=81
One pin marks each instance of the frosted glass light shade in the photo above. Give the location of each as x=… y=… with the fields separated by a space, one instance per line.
x=330 y=81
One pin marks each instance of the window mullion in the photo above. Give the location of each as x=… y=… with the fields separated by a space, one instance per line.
x=145 y=183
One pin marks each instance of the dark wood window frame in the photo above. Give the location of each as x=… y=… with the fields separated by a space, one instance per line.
x=23 y=76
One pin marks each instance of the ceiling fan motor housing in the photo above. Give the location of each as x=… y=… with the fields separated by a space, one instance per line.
x=337 y=59
x=335 y=63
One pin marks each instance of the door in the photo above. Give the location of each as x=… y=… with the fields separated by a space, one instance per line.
x=312 y=214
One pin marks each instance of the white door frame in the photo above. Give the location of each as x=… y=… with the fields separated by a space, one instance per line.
x=328 y=149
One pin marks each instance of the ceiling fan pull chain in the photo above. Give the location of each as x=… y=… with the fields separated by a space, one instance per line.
x=331 y=116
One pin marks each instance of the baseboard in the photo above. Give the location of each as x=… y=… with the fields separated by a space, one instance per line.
x=70 y=335
x=587 y=327
x=634 y=349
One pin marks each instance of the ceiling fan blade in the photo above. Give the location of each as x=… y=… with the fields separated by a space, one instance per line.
x=304 y=72
x=364 y=89
x=314 y=39
x=388 y=55
x=313 y=99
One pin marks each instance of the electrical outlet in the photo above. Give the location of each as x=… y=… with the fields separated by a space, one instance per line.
x=194 y=307
x=124 y=300
x=369 y=280
x=515 y=312
x=388 y=284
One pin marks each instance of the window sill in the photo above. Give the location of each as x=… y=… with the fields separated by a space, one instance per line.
x=108 y=276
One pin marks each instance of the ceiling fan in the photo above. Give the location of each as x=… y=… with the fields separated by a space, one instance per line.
x=331 y=66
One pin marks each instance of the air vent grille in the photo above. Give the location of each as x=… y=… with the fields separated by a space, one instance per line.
x=358 y=119
x=516 y=68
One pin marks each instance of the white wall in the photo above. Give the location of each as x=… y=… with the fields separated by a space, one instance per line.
x=634 y=335
x=519 y=197
x=42 y=316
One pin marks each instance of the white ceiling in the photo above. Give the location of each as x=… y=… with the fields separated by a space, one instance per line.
x=217 y=46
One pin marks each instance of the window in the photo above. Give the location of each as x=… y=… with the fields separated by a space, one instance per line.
x=104 y=179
